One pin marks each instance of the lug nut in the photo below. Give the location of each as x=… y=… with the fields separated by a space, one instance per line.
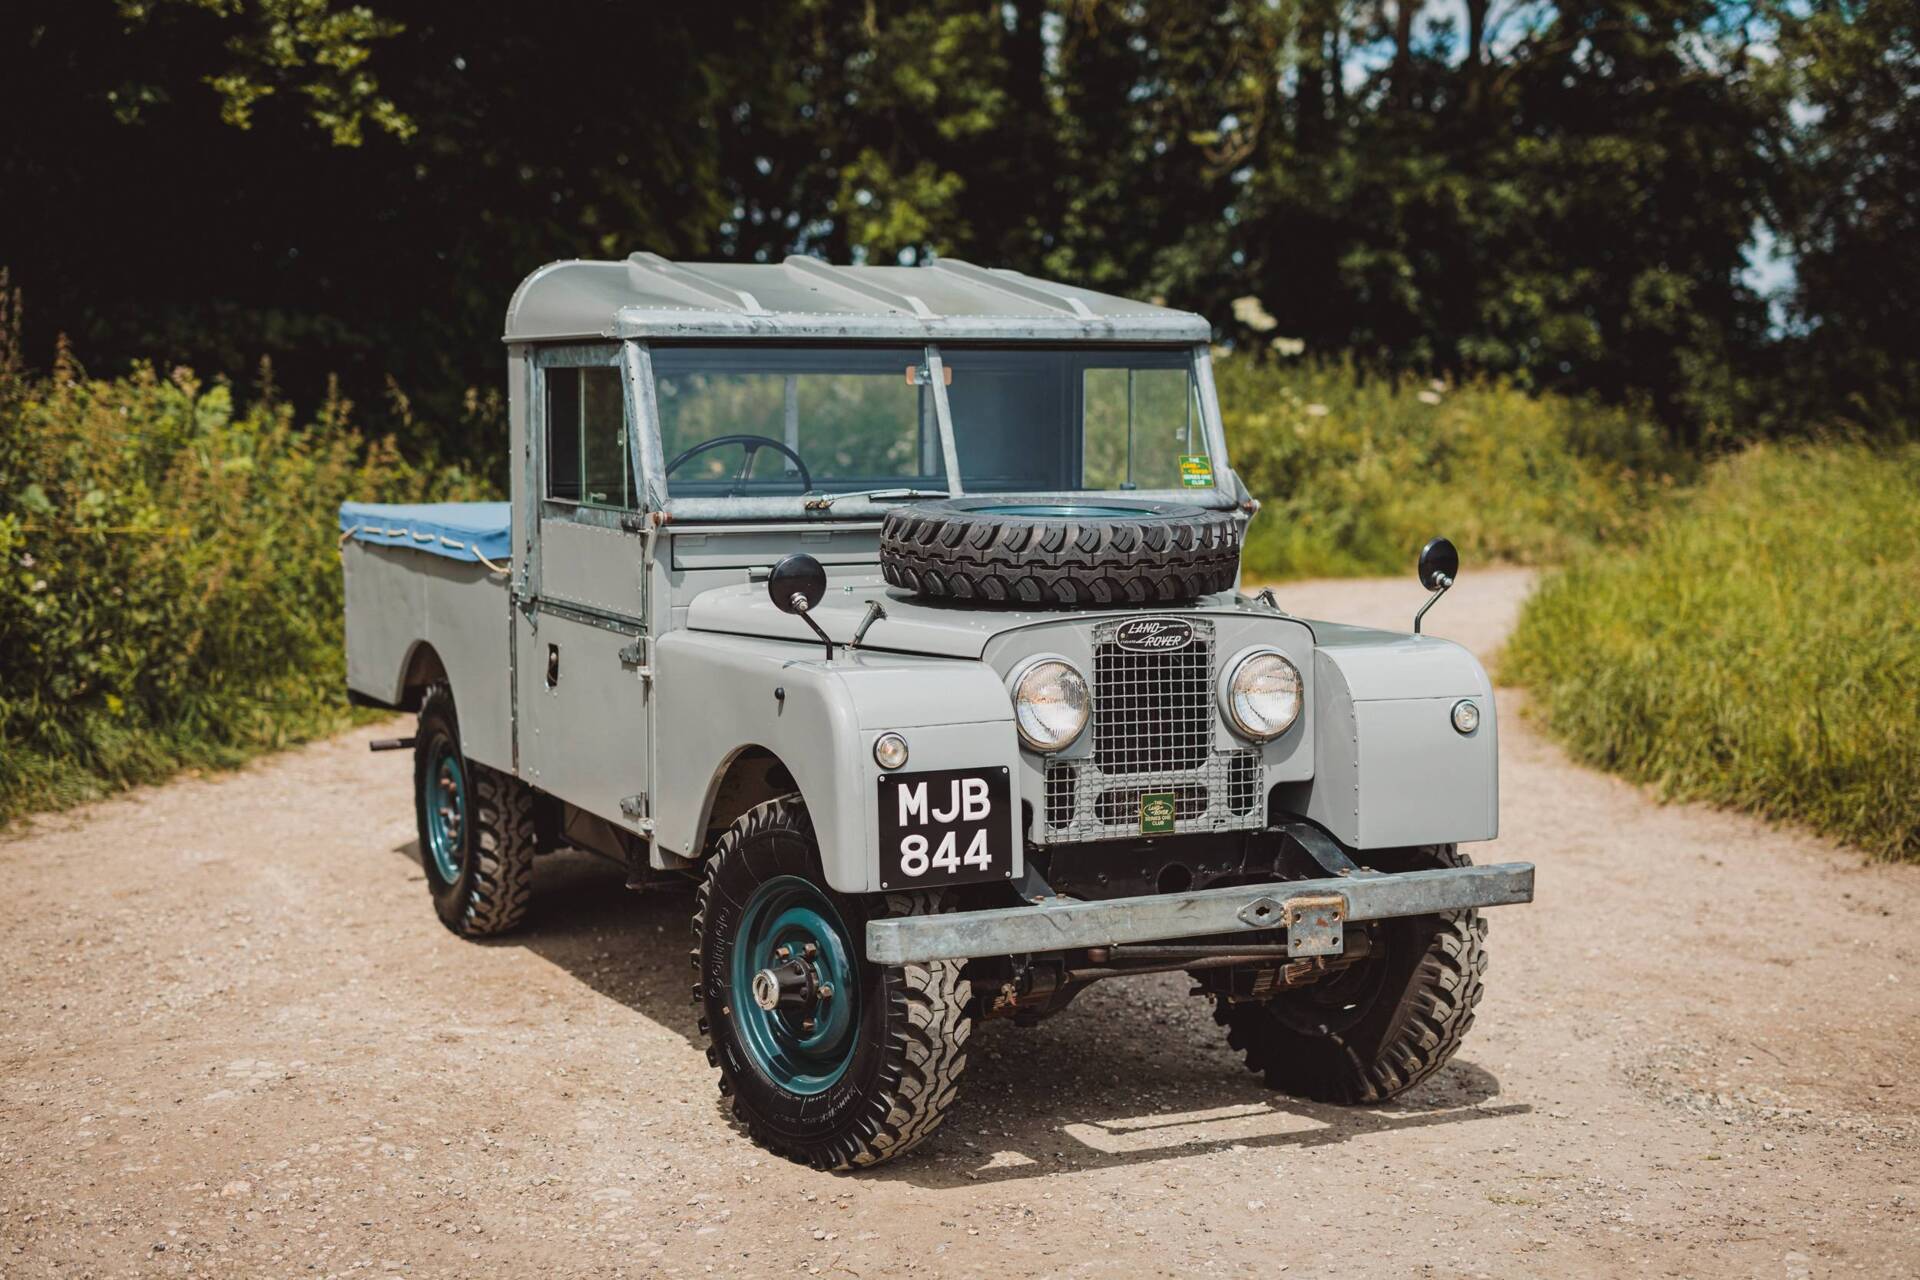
x=826 y=991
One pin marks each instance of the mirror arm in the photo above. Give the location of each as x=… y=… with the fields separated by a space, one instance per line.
x=800 y=607
x=1446 y=584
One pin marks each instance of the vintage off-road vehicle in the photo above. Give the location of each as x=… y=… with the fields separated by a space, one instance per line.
x=896 y=608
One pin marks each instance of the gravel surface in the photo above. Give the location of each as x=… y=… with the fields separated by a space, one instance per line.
x=235 y=1042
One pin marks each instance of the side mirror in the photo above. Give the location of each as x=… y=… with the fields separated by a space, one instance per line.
x=1439 y=567
x=797 y=584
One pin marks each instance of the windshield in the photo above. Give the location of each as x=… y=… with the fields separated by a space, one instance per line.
x=845 y=420
x=748 y=420
x=1046 y=420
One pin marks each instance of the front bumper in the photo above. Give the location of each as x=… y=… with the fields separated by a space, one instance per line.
x=1063 y=923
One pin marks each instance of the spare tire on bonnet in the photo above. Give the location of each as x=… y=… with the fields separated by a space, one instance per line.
x=1104 y=551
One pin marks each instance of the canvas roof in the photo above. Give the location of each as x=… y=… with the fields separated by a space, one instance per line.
x=646 y=296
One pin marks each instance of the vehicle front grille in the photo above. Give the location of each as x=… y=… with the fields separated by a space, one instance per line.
x=1153 y=712
x=1153 y=736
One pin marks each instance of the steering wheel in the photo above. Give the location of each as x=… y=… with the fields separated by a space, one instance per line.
x=752 y=444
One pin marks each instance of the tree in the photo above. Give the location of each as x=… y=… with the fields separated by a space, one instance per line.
x=1851 y=214
x=1559 y=190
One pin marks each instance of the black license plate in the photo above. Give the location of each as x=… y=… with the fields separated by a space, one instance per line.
x=945 y=826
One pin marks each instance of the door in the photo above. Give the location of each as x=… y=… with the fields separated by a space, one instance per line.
x=582 y=649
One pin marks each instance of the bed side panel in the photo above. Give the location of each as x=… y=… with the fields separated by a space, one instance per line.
x=397 y=600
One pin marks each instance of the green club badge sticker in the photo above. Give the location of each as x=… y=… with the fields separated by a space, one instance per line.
x=1196 y=471
x=1156 y=813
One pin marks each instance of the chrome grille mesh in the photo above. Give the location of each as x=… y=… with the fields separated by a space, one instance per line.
x=1152 y=712
x=1153 y=735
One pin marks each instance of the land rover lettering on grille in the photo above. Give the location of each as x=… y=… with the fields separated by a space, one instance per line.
x=1154 y=635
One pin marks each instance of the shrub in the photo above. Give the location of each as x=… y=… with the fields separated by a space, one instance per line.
x=1355 y=472
x=1761 y=651
x=170 y=591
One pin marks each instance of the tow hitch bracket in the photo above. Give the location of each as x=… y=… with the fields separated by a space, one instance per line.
x=1316 y=926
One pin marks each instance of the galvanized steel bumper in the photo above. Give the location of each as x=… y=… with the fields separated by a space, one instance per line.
x=1064 y=923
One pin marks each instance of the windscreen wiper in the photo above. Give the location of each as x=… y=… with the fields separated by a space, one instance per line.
x=825 y=501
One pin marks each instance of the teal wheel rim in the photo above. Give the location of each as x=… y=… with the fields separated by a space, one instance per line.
x=791 y=913
x=1065 y=511
x=446 y=805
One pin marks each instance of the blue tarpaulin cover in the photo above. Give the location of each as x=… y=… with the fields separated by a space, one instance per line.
x=456 y=530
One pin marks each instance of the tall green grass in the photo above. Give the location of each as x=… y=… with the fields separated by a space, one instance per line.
x=1760 y=651
x=170 y=590
x=1355 y=472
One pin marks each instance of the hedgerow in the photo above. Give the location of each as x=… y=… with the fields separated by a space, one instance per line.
x=170 y=589
x=1355 y=471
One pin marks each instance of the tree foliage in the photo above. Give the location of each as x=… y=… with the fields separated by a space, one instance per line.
x=1565 y=194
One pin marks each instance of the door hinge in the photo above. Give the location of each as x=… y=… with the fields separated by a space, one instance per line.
x=634 y=808
x=635 y=655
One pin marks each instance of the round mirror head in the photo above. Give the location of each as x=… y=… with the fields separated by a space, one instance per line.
x=1439 y=559
x=797 y=584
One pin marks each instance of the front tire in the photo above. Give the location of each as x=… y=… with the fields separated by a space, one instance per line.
x=835 y=1079
x=1380 y=1027
x=476 y=828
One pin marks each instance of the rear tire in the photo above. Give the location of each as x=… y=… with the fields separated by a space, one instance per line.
x=1382 y=1026
x=834 y=1095
x=476 y=828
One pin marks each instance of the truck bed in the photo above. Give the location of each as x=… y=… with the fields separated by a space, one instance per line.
x=426 y=585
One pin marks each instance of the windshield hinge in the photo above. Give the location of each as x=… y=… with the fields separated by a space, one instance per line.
x=826 y=500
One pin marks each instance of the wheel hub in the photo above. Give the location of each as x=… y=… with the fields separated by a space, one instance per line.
x=791 y=985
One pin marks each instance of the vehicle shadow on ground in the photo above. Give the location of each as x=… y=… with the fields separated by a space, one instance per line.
x=1134 y=1073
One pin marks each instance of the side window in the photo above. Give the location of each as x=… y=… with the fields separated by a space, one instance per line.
x=1141 y=430
x=587 y=458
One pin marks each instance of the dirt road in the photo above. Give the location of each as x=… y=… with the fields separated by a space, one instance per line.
x=235 y=1042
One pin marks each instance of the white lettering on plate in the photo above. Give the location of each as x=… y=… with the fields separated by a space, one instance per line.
x=913 y=799
x=973 y=799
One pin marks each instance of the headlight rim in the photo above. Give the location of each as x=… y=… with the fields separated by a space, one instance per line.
x=906 y=753
x=1472 y=708
x=1231 y=670
x=1019 y=675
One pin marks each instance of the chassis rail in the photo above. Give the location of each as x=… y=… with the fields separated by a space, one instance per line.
x=1065 y=923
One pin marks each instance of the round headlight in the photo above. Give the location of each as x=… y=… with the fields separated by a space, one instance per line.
x=1466 y=716
x=1049 y=704
x=890 y=751
x=1263 y=695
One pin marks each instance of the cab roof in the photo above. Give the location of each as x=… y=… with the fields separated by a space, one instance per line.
x=804 y=298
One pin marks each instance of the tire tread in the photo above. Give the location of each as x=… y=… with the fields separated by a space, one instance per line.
x=929 y=1029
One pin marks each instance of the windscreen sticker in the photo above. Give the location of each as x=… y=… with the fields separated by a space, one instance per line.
x=1196 y=471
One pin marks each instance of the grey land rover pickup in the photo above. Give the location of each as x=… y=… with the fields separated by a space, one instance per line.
x=896 y=610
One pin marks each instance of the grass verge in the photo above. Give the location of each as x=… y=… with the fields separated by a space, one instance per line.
x=1760 y=651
